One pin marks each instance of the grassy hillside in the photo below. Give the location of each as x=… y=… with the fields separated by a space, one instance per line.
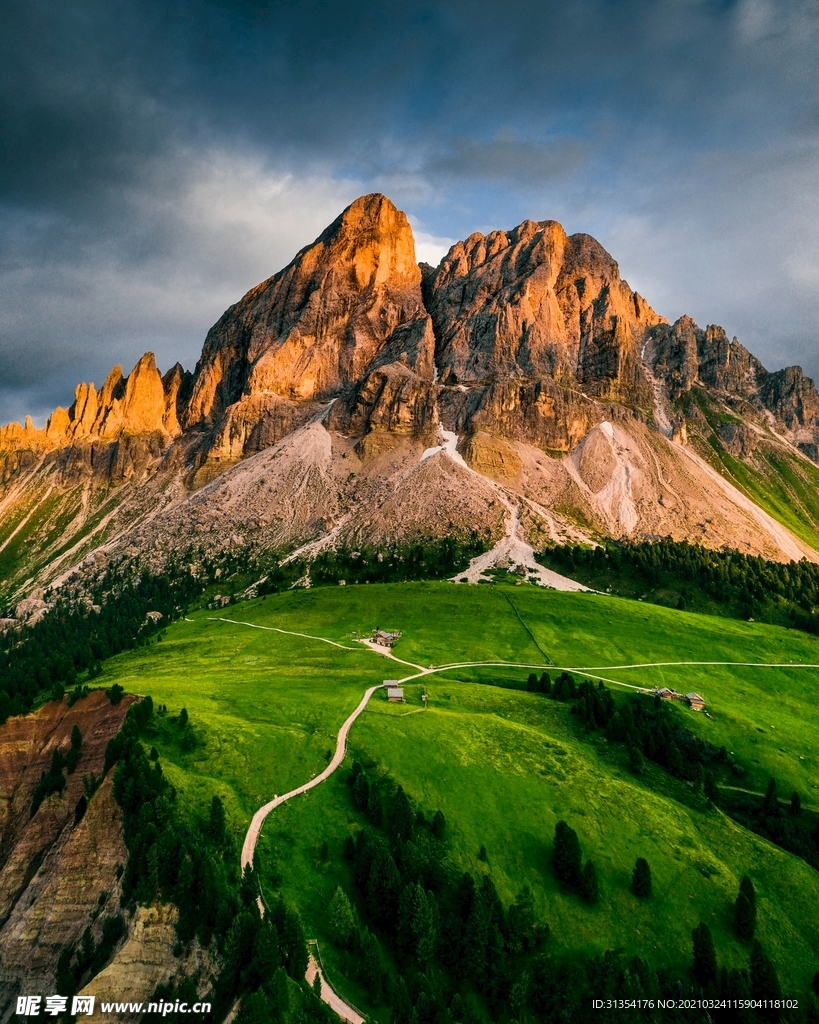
x=503 y=765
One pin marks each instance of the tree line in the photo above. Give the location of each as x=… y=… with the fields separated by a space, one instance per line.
x=722 y=582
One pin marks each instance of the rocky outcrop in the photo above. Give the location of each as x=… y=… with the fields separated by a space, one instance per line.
x=145 y=961
x=57 y=868
x=142 y=403
x=534 y=302
x=538 y=412
x=319 y=323
x=682 y=356
x=793 y=400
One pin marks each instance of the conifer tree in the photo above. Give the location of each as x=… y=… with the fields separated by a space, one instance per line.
x=710 y=789
x=704 y=966
x=439 y=825
x=764 y=980
x=589 y=886
x=401 y=816
x=673 y=759
x=375 y=810
x=744 y=918
x=216 y=820
x=796 y=805
x=745 y=910
x=361 y=791
x=770 y=805
x=401 y=1005
x=521 y=921
x=545 y=683
x=641 y=879
x=567 y=857
x=342 y=922
x=279 y=992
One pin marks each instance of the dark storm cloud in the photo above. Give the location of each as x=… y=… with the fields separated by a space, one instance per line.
x=157 y=159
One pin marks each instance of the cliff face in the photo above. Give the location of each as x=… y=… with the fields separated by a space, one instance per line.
x=58 y=867
x=683 y=355
x=535 y=302
x=319 y=391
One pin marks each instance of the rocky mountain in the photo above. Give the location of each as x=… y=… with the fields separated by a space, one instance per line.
x=356 y=396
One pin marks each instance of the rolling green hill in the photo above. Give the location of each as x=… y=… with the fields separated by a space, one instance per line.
x=502 y=764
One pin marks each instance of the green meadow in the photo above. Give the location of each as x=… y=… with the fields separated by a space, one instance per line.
x=503 y=765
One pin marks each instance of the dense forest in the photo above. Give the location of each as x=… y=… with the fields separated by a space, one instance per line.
x=689 y=576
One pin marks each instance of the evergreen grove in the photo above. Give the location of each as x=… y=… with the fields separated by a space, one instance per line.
x=691 y=576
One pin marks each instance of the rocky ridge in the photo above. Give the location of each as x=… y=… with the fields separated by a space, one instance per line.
x=319 y=391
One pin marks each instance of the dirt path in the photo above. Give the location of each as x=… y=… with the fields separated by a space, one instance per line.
x=252 y=836
x=783 y=802
x=329 y=995
x=287 y=632
x=371 y=645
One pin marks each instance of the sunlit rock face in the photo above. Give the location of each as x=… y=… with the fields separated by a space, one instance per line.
x=358 y=393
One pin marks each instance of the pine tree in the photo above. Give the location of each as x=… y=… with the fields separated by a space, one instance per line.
x=796 y=805
x=375 y=810
x=567 y=857
x=361 y=791
x=770 y=805
x=439 y=825
x=744 y=918
x=531 y=682
x=711 y=790
x=457 y=1009
x=293 y=944
x=705 y=956
x=673 y=759
x=635 y=760
x=382 y=885
x=279 y=993
x=545 y=683
x=401 y=1005
x=216 y=820
x=764 y=980
x=401 y=816
x=641 y=879
x=342 y=922
x=589 y=885
x=746 y=886
x=521 y=921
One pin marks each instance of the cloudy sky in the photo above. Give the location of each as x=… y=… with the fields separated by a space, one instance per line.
x=158 y=158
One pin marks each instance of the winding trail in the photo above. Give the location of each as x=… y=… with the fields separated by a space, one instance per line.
x=275 y=629
x=343 y=1009
x=252 y=837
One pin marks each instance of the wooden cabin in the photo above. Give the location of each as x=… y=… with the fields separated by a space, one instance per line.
x=395 y=695
x=386 y=639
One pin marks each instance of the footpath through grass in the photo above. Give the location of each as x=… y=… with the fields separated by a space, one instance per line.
x=503 y=765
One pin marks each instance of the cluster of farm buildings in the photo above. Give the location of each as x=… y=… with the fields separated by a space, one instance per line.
x=693 y=700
